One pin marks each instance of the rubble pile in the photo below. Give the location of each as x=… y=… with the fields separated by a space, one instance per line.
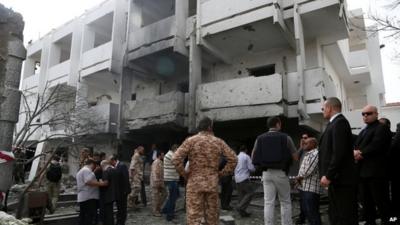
x=6 y=219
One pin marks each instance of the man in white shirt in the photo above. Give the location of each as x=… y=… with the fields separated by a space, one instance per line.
x=88 y=193
x=244 y=186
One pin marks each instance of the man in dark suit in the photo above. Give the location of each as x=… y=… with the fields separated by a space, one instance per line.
x=336 y=167
x=107 y=192
x=394 y=173
x=371 y=149
x=123 y=188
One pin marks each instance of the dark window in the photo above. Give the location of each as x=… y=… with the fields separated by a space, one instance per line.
x=183 y=87
x=133 y=97
x=262 y=70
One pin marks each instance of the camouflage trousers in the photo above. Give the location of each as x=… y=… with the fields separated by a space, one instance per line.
x=201 y=205
x=53 y=189
x=135 y=192
x=158 y=195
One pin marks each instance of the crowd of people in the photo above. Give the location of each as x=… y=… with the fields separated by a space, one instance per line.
x=357 y=172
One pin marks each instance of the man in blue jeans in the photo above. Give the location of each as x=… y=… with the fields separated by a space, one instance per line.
x=171 y=178
x=309 y=181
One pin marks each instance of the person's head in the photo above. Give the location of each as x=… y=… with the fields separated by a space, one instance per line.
x=113 y=159
x=205 y=124
x=274 y=122
x=96 y=156
x=174 y=147
x=140 y=150
x=385 y=121
x=369 y=114
x=102 y=156
x=331 y=107
x=105 y=164
x=243 y=148
x=304 y=136
x=85 y=152
x=310 y=143
x=160 y=155
x=56 y=158
x=90 y=163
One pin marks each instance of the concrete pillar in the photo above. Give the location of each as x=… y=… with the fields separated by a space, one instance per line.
x=12 y=53
x=88 y=38
x=301 y=62
x=125 y=92
x=194 y=80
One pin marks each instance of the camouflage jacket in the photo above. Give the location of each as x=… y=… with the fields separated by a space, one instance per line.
x=157 y=174
x=204 y=151
x=137 y=166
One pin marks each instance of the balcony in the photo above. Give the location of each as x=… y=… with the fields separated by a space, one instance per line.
x=96 y=59
x=152 y=38
x=59 y=73
x=358 y=62
x=30 y=83
x=161 y=110
x=317 y=85
x=156 y=39
x=238 y=26
x=243 y=98
x=105 y=116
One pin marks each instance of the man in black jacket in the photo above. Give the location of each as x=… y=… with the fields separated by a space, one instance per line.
x=122 y=190
x=107 y=192
x=371 y=149
x=394 y=156
x=336 y=167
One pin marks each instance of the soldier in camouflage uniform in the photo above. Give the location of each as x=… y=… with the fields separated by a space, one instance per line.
x=204 y=151
x=136 y=176
x=158 y=191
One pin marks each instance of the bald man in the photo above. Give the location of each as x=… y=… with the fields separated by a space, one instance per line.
x=371 y=148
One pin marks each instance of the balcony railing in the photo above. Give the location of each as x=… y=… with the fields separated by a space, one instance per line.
x=162 y=109
x=30 y=82
x=98 y=55
x=105 y=116
x=250 y=97
x=153 y=33
x=59 y=73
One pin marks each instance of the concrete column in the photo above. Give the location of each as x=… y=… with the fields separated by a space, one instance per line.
x=125 y=92
x=181 y=15
x=75 y=54
x=301 y=62
x=55 y=55
x=12 y=53
x=194 y=80
x=88 y=38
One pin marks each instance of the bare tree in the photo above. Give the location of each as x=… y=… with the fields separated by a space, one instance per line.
x=57 y=114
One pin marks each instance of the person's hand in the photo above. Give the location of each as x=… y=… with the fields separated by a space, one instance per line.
x=357 y=155
x=302 y=143
x=325 y=181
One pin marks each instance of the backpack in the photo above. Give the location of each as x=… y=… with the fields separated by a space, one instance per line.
x=54 y=173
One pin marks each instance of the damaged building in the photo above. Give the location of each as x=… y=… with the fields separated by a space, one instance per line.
x=150 y=69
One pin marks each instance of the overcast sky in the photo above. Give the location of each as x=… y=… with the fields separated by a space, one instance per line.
x=41 y=16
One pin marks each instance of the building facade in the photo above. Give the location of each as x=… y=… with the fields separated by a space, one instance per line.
x=150 y=69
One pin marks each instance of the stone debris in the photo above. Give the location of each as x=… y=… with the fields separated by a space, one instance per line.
x=6 y=219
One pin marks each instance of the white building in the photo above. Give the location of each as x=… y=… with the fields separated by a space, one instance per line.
x=152 y=68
